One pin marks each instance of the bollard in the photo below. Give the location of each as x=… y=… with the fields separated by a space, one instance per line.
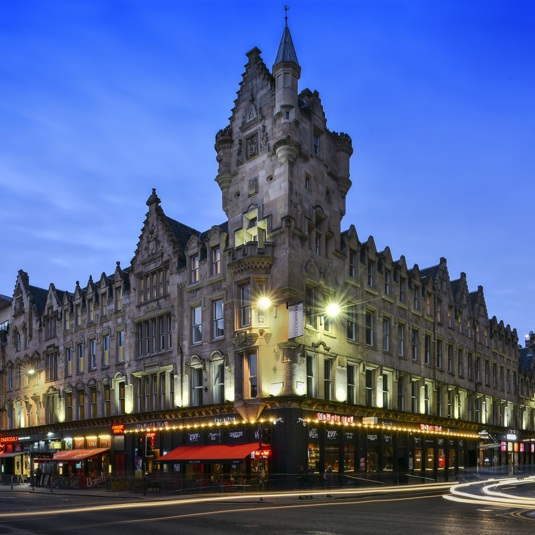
x=11 y=482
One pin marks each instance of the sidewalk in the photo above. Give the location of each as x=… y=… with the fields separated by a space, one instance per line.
x=97 y=492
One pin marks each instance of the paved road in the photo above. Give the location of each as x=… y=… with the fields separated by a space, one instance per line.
x=383 y=511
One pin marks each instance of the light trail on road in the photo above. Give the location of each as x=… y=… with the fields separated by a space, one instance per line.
x=470 y=493
x=236 y=498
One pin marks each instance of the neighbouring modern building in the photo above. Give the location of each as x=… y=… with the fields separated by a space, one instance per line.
x=267 y=345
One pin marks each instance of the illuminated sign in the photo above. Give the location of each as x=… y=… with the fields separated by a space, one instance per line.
x=427 y=427
x=3 y=440
x=262 y=453
x=334 y=418
x=369 y=420
x=117 y=429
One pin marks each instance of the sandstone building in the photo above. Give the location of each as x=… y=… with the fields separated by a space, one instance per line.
x=220 y=354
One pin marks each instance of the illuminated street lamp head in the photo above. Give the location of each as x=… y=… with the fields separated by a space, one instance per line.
x=332 y=310
x=263 y=303
x=31 y=371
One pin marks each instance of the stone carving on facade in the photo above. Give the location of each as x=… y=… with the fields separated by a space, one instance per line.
x=153 y=244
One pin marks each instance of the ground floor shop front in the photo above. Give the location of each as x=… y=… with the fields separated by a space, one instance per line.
x=285 y=447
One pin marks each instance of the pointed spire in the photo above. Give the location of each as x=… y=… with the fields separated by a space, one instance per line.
x=286 y=53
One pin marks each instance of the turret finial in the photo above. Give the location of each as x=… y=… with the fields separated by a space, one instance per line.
x=286 y=8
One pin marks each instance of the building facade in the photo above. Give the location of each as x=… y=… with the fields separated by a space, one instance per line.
x=267 y=346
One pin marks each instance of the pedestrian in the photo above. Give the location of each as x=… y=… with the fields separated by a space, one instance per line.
x=327 y=477
x=38 y=476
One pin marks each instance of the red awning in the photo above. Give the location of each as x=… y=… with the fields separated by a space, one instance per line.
x=219 y=452
x=77 y=455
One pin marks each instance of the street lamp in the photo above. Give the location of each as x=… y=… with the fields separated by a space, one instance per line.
x=332 y=310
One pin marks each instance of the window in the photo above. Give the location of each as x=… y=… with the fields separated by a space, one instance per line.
x=386 y=334
x=92 y=354
x=369 y=388
x=251 y=374
x=81 y=404
x=316 y=144
x=106 y=350
x=218 y=326
x=438 y=397
x=218 y=389
x=478 y=369
x=351 y=384
x=487 y=372
x=162 y=391
x=460 y=363
x=470 y=366
x=401 y=394
x=416 y=298
x=371 y=273
x=118 y=299
x=153 y=284
x=388 y=281
x=370 y=328
x=196 y=325
x=154 y=335
x=80 y=355
x=439 y=354
x=194 y=268
x=317 y=244
x=327 y=379
x=93 y=402
x=403 y=290
x=245 y=305
x=386 y=391
x=311 y=384
x=91 y=309
x=401 y=339
x=107 y=400
x=427 y=399
x=10 y=378
x=50 y=325
x=494 y=375
x=216 y=260
x=78 y=314
x=120 y=346
x=414 y=344
x=68 y=361
x=450 y=358
x=51 y=366
x=121 y=398
x=104 y=303
x=352 y=264
x=68 y=406
x=351 y=323
x=414 y=397
x=451 y=403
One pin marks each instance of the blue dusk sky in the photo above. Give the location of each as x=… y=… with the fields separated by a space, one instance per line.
x=103 y=100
